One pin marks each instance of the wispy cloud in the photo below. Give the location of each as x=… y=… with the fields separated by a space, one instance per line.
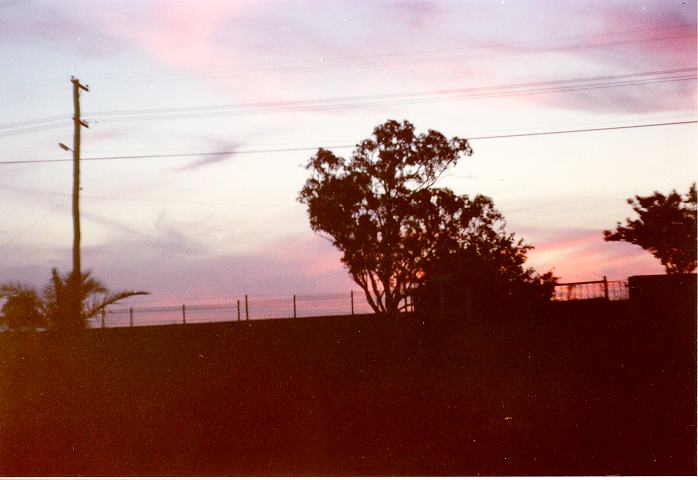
x=240 y=40
x=220 y=152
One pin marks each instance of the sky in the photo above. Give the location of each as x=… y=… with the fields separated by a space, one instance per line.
x=270 y=81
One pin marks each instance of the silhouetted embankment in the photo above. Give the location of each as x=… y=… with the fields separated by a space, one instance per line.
x=577 y=388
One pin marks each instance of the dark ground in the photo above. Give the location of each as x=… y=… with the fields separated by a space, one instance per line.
x=586 y=389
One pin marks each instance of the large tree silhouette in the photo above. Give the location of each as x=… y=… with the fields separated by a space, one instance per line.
x=666 y=228
x=380 y=208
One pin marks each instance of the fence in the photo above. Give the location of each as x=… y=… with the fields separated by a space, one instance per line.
x=260 y=307
x=248 y=307
x=610 y=290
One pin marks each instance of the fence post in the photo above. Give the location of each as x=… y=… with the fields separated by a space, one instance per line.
x=605 y=287
x=294 y=305
x=352 y=301
x=104 y=314
x=247 y=310
x=184 y=316
x=238 y=309
x=130 y=316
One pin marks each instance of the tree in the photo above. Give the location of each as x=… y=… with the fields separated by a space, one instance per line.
x=487 y=272
x=666 y=228
x=23 y=310
x=381 y=209
x=55 y=303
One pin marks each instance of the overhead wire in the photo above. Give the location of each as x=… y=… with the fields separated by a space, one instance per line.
x=50 y=193
x=38 y=128
x=40 y=192
x=387 y=96
x=29 y=226
x=343 y=146
x=362 y=101
x=384 y=59
x=374 y=104
x=33 y=191
x=34 y=121
x=325 y=63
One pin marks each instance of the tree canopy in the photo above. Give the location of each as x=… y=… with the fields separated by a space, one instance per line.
x=381 y=209
x=666 y=228
x=22 y=310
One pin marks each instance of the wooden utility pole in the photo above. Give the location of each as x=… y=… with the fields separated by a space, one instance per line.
x=77 y=123
x=76 y=277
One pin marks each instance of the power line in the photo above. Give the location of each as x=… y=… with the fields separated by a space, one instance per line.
x=428 y=98
x=364 y=101
x=174 y=155
x=373 y=59
x=332 y=103
x=689 y=28
x=300 y=149
x=50 y=193
x=413 y=101
x=28 y=227
x=383 y=59
x=582 y=130
x=25 y=123
x=36 y=191
x=38 y=128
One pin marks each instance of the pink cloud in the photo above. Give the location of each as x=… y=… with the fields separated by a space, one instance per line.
x=564 y=241
x=275 y=50
x=416 y=13
x=630 y=37
x=179 y=34
x=326 y=259
x=581 y=255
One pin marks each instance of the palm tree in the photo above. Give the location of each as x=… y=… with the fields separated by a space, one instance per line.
x=58 y=298
x=23 y=308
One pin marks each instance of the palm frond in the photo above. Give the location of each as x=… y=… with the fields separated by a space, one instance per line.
x=58 y=300
x=111 y=299
x=10 y=289
x=90 y=285
x=57 y=281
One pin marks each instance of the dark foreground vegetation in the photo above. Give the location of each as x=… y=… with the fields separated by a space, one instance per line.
x=587 y=388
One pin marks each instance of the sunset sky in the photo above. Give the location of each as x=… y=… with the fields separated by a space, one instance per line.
x=270 y=81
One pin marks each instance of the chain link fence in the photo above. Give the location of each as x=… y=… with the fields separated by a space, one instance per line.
x=248 y=307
